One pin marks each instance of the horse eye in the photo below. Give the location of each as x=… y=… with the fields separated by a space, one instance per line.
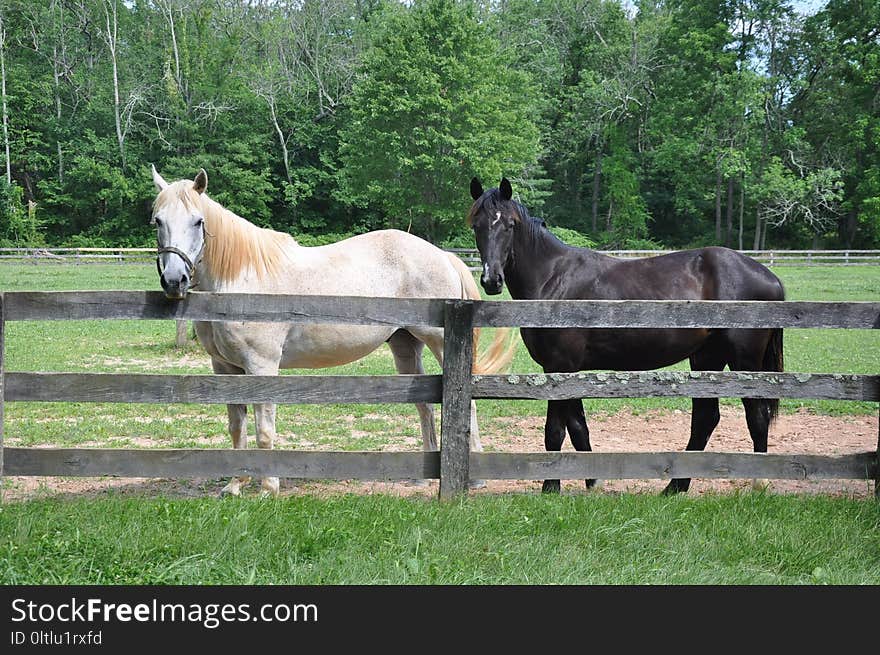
x=157 y=221
x=200 y=222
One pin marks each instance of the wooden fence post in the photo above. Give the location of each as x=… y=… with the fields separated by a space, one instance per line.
x=876 y=463
x=455 y=417
x=181 y=339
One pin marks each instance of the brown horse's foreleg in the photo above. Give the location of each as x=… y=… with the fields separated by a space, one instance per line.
x=554 y=435
x=578 y=431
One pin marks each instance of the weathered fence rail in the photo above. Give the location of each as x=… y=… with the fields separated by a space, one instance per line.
x=454 y=464
x=470 y=255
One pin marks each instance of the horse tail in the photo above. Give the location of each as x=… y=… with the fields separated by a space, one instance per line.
x=499 y=354
x=773 y=361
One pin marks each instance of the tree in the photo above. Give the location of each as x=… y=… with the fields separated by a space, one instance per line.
x=801 y=196
x=434 y=106
x=836 y=106
x=3 y=93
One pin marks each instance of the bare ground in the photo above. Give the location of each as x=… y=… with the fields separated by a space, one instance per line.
x=801 y=432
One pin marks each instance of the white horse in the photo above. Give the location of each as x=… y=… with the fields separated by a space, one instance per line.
x=203 y=245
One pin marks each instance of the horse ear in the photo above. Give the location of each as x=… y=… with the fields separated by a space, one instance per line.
x=158 y=179
x=201 y=181
x=506 y=189
x=476 y=189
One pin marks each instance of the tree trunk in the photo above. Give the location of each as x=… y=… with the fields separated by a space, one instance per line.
x=168 y=12
x=56 y=75
x=848 y=223
x=728 y=236
x=281 y=140
x=742 y=202
x=3 y=93
x=597 y=185
x=112 y=31
x=718 y=206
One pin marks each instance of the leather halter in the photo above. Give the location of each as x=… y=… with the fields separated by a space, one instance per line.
x=190 y=267
x=179 y=253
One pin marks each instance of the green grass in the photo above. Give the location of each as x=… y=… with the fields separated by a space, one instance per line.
x=747 y=538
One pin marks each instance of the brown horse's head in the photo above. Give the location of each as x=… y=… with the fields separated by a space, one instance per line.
x=493 y=217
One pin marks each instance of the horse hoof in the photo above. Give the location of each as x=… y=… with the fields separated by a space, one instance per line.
x=592 y=484
x=676 y=487
x=551 y=487
x=230 y=491
x=477 y=484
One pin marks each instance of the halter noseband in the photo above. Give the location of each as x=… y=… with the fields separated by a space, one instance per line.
x=190 y=267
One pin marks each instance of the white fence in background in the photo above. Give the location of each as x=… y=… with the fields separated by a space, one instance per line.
x=468 y=255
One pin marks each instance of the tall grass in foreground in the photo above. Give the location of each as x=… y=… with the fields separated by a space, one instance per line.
x=748 y=538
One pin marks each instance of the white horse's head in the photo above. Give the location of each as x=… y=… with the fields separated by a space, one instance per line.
x=180 y=231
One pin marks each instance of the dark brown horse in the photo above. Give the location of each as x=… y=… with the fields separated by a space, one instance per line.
x=520 y=251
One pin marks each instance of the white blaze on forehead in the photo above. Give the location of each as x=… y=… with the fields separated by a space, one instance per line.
x=497 y=218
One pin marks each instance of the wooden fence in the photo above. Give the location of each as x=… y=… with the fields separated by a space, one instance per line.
x=470 y=256
x=454 y=465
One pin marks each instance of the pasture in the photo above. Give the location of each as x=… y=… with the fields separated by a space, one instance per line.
x=321 y=524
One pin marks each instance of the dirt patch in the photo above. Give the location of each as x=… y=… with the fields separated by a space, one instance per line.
x=801 y=433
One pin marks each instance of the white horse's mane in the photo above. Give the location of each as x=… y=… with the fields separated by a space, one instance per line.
x=232 y=244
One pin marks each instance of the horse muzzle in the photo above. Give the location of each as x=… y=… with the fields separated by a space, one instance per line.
x=175 y=289
x=492 y=283
x=175 y=275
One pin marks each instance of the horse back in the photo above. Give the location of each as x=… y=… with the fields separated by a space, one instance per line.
x=712 y=273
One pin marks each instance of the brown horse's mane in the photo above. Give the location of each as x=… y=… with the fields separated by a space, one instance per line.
x=232 y=244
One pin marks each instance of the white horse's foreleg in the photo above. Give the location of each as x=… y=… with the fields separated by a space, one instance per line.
x=237 y=425
x=238 y=431
x=264 y=414
x=476 y=446
x=407 y=352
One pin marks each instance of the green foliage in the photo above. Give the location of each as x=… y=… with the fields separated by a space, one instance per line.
x=324 y=239
x=627 y=211
x=572 y=237
x=434 y=106
x=672 y=122
x=18 y=224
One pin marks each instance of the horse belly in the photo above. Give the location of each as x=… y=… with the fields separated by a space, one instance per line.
x=322 y=346
x=637 y=349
